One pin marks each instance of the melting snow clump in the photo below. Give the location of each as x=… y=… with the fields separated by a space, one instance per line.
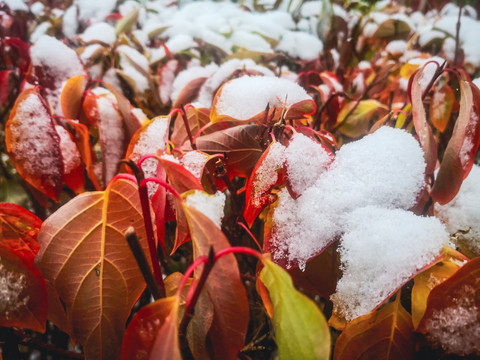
x=210 y=205
x=11 y=287
x=380 y=250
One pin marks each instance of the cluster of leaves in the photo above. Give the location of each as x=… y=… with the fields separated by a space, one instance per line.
x=102 y=236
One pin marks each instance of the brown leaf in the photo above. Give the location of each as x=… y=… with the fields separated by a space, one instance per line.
x=189 y=92
x=197 y=119
x=84 y=256
x=461 y=149
x=223 y=286
x=383 y=334
x=33 y=144
x=240 y=145
x=423 y=129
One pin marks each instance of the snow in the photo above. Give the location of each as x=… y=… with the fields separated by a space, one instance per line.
x=37 y=8
x=17 y=5
x=306 y=161
x=70 y=154
x=128 y=55
x=266 y=175
x=384 y=169
x=186 y=76
x=463 y=211
x=247 y=96
x=396 y=47
x=456 y=328
x=12 y=293
x=210 y=205
x=175 y=44
x=95 y=10
x=40 y=31
x=153 y=137
x=476 y=81
x=380 y=251
x=301 y=45
x=36 y=141
x=99 y=32
x=58 y=63
x=70 y=22
x=224 y=72
x=194 y=161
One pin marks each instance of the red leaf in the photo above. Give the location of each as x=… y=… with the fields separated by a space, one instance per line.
x=423 y=129
x=18 y=230
x=462 y=147
x=153 y=332
x=256 y=195
x=19 y=52
x=34 y=145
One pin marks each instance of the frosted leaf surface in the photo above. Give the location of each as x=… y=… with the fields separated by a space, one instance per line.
x=12 y=285
x=464 y=210
x=247 y=96
x=194 y=161
x=153 y=138
x=58 y=63
x=380 y=250
x=456 y=329
x=210 y=205
x=70 y=154
x=306 y=160
x=36 y=141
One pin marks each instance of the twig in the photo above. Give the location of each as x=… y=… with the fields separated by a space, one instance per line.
x=137 y=251
x=222 y=173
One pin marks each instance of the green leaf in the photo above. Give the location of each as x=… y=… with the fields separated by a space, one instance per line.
x=301 y=331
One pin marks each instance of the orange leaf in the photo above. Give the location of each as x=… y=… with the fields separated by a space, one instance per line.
x=82 y=139
x=223 y=286
x=383 y=334
x=425 y=282
x=33 y=144
x=451 y=317
x=461 y=149
x=84 y=256
x=23 y=296
x=71 y=97
x=441 y=108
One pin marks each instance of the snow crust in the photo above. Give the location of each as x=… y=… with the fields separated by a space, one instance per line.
x=380 y=250
x=12 y=297
x=194 y=161
x=99 y=32
x=70 y=154
x=210 y=205
x=384 y=169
